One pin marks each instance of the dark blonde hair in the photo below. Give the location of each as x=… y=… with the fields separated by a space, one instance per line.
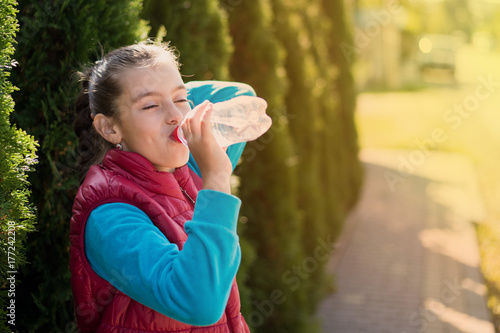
x=101 y=87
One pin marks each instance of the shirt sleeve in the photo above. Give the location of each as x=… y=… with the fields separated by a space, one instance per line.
x=125 y=248
x=217 y=91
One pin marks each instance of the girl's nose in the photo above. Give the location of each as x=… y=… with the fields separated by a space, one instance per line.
x=174 y=115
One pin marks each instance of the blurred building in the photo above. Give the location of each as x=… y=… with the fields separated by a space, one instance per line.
x=378 y=46
x=397 y=47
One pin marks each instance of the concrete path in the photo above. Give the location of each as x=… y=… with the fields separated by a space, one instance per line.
x=408 y=259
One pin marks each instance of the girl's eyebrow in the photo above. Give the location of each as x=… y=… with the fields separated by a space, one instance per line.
x=180 y=87
x=155 y=93
x=145 y=94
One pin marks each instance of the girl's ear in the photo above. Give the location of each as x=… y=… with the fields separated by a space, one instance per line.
x=107 y=128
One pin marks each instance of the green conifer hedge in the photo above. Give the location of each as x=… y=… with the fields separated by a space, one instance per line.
x=17 y=157
x=198 y=30
x=323 y=175
x=269 y=180
x=56 y=39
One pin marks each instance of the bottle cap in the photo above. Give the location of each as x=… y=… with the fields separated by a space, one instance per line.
x=179 y=137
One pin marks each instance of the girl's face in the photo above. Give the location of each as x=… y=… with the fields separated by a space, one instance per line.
x=153 y=103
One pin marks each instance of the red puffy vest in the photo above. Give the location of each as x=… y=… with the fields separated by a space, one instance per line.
x=130 y=178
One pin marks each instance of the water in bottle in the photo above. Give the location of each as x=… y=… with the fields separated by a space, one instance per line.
x=240 y=119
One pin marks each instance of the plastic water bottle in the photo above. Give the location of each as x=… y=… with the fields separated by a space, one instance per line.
x=240 y=119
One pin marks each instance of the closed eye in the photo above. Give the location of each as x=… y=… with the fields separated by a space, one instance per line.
x=149 y=107
x=190 y=102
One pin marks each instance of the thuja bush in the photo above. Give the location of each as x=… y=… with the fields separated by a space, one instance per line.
x=268 y=180
x=320 y=104
x=17 y=158
x=198 y=30
x=56 y=39
x=299 y=182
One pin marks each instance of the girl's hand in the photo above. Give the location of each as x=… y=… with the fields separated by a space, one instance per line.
x=214 y=164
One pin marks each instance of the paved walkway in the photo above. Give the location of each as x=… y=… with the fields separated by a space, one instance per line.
x=408 y=259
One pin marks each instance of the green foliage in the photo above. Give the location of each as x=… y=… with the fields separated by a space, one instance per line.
x=304 y=100
x=198 y=30
x=268 y=181
x=56 y=38
x=17 y=157
x=343 y=183
x=440 y=17
x=307 y=176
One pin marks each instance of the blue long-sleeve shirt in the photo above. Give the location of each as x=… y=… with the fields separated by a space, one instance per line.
x=125 y=248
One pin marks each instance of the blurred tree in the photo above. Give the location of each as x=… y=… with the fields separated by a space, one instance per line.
x=268 y=174
x=341 y=165
x=17 y=157
x=438 y=17
x=487 y=24
x=198 y=29
x=320 y=101
x=57 y=38
x=461 y=17
x=304 y=101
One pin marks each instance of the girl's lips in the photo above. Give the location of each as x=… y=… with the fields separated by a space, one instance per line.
x=175 y=136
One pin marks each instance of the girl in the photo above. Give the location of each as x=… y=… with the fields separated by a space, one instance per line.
x=154 y=247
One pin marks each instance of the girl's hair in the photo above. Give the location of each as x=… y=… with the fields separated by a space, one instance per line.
x=100 y=89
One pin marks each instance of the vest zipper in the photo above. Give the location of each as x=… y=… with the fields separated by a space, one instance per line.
x=187 y=195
